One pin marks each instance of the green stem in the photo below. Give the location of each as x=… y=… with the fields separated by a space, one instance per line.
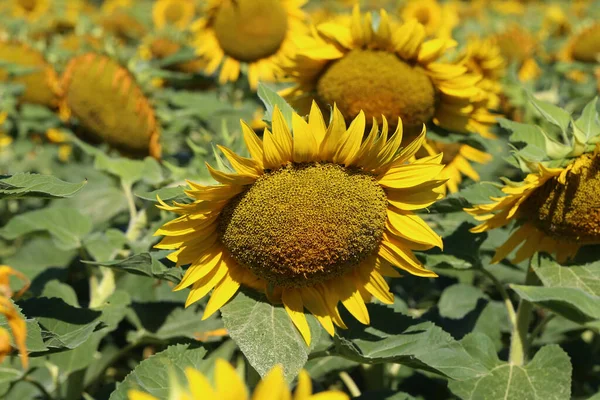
x=350 y=384
x=130 y=204
x=519 y=344
x=512 y=316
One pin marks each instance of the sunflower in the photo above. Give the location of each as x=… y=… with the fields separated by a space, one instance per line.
x=38 y=77
x=229 y=385
x=109 y=105
x=392 y=71
x=161 y=47
x=457 y=157
x=584 y=46
x=556 y=209
x=177 y=13
x=521 y=54
x=556 y=22
x=15 y=321
x=483 y=57
x=5 y=140
x=438 y=19
x=30 y=10
x=312 y=218
x=255 y=32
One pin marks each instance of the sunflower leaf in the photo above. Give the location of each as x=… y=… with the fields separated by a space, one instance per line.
x=33 y=185
x=144 y=264
x=588 y=121
x=546 y=376
x=553 y=114
x=270 y=99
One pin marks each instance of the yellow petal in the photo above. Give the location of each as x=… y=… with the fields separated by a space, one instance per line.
x=402 y=258
x=206 y=284
x=305 y=145
x=317 y=124
x=228 y=384
x=230 y=179
x=304 y=388
x=282 y=135
x=350 y=144
x=200 y=387
x=351 y=299
x=200 y=269
x=292 y=302
x=272 y=386
x=335 y=132
x=413 y=228
x=242 y=165
x=138 y=395
x=253 y=143
x=409 y=175
x=223 y=292
x=316 y=304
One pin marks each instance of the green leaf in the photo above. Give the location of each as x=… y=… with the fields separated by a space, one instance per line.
x=33 y=341
x=553 y=114
x=552 y=274
x=265 y=334
x=105 y=245
x=525 y=133
x=458 y=300
x=67 y=226
x=165 y=194
x=130 y=171
x=546 y=377
x=64 y=326
x=36 y=255
x=145 y=264
x=270 y=99
x=397 y=338
x=588 y=121
x=41 y=186
x=152 y=375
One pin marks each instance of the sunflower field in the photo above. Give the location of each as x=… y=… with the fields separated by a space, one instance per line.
x=299 y=199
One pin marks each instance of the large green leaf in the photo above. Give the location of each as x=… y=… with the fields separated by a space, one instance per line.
x=33 y=185
x=145 y=264
x=67 y=226
x=130 y=171
x=397 y=338
x=153 y=374
x=553 y=114
x=546 y=377
x=270 y=99
x=266 y=334
x=458 y=300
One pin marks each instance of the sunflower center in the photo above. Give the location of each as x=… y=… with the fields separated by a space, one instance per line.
x=379 y=83
x=570 y=211
x=305 y=223
x=173 y=12
x=249 y=30
x=587 y=46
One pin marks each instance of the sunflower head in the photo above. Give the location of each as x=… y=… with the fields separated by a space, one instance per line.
x=123 y=25
x=228 y=384
x=584 y=46
x=508 y=39
x=257 y=32
x=315 y=217
x=33 y=72
x=177 y=13
x=109 y=105
x=30 y=10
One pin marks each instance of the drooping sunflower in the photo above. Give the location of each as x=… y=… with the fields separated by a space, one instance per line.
x=15 y=322
x=556 y=206
x=315 y=217
x=583 y=46
x=258 y=33
x=229 y=385
x=37 y=75
x=484 y=57
x=30 y=10
x=177 y=13
x=109 y=105
x=390 y=71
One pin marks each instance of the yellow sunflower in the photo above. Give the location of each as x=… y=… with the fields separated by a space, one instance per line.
x=438 y=19
x=457 y=158
x=109 y=105
x=391 y=71
x=177 y=13
x=15 y=321
x=30 y=10
x=5 y=140
x=314 y=217
x=484 y=57
x=583 y=46
x=556 y=209
x=38 y=77
x=519 y=46
x=258 y=33
x=229 y=386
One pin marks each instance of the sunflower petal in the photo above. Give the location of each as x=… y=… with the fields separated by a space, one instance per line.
x=292 y=302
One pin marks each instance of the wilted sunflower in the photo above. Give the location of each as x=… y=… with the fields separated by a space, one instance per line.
x=583 y=46
x=438 y=19
x=109 y=105
x=484 y=57
x=177 y=13
x=228 y=385
x=253 y=32
x=392 y=71
x=30 y=10
x=556 y=208
x=15 y=321
x=37 y=76
x=519 y=46
x=312 y=218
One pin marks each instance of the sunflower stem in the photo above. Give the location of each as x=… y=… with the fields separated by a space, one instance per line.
x=130 y=204
x=512 y=315
x=519 y=344
x=350 y=384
